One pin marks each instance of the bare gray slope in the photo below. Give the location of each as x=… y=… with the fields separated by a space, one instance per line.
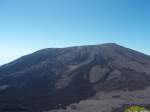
x=114 y=101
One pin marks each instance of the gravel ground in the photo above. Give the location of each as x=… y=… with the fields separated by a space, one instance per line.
x=110 y=101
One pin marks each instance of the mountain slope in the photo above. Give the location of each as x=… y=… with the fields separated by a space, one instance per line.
x=54 y=76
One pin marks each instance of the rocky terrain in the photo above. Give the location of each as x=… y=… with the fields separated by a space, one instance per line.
x=114 y=101
x=85 y=77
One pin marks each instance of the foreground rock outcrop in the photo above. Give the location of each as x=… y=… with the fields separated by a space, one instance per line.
x=114 y=101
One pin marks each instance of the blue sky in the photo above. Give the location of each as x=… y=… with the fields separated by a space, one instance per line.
x=30 y=25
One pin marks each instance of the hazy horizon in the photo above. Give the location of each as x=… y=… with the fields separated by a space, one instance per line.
x=31 y=25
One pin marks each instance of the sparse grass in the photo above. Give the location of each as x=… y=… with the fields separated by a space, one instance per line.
x=136 y=109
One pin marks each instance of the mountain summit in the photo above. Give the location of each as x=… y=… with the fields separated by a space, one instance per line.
x=54 y=77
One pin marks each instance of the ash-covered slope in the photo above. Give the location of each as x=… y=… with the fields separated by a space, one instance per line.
x=56 y=77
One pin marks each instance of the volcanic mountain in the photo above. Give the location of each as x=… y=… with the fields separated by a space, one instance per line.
x=56 y=77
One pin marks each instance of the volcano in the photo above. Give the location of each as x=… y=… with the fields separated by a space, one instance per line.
x=54 y=78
